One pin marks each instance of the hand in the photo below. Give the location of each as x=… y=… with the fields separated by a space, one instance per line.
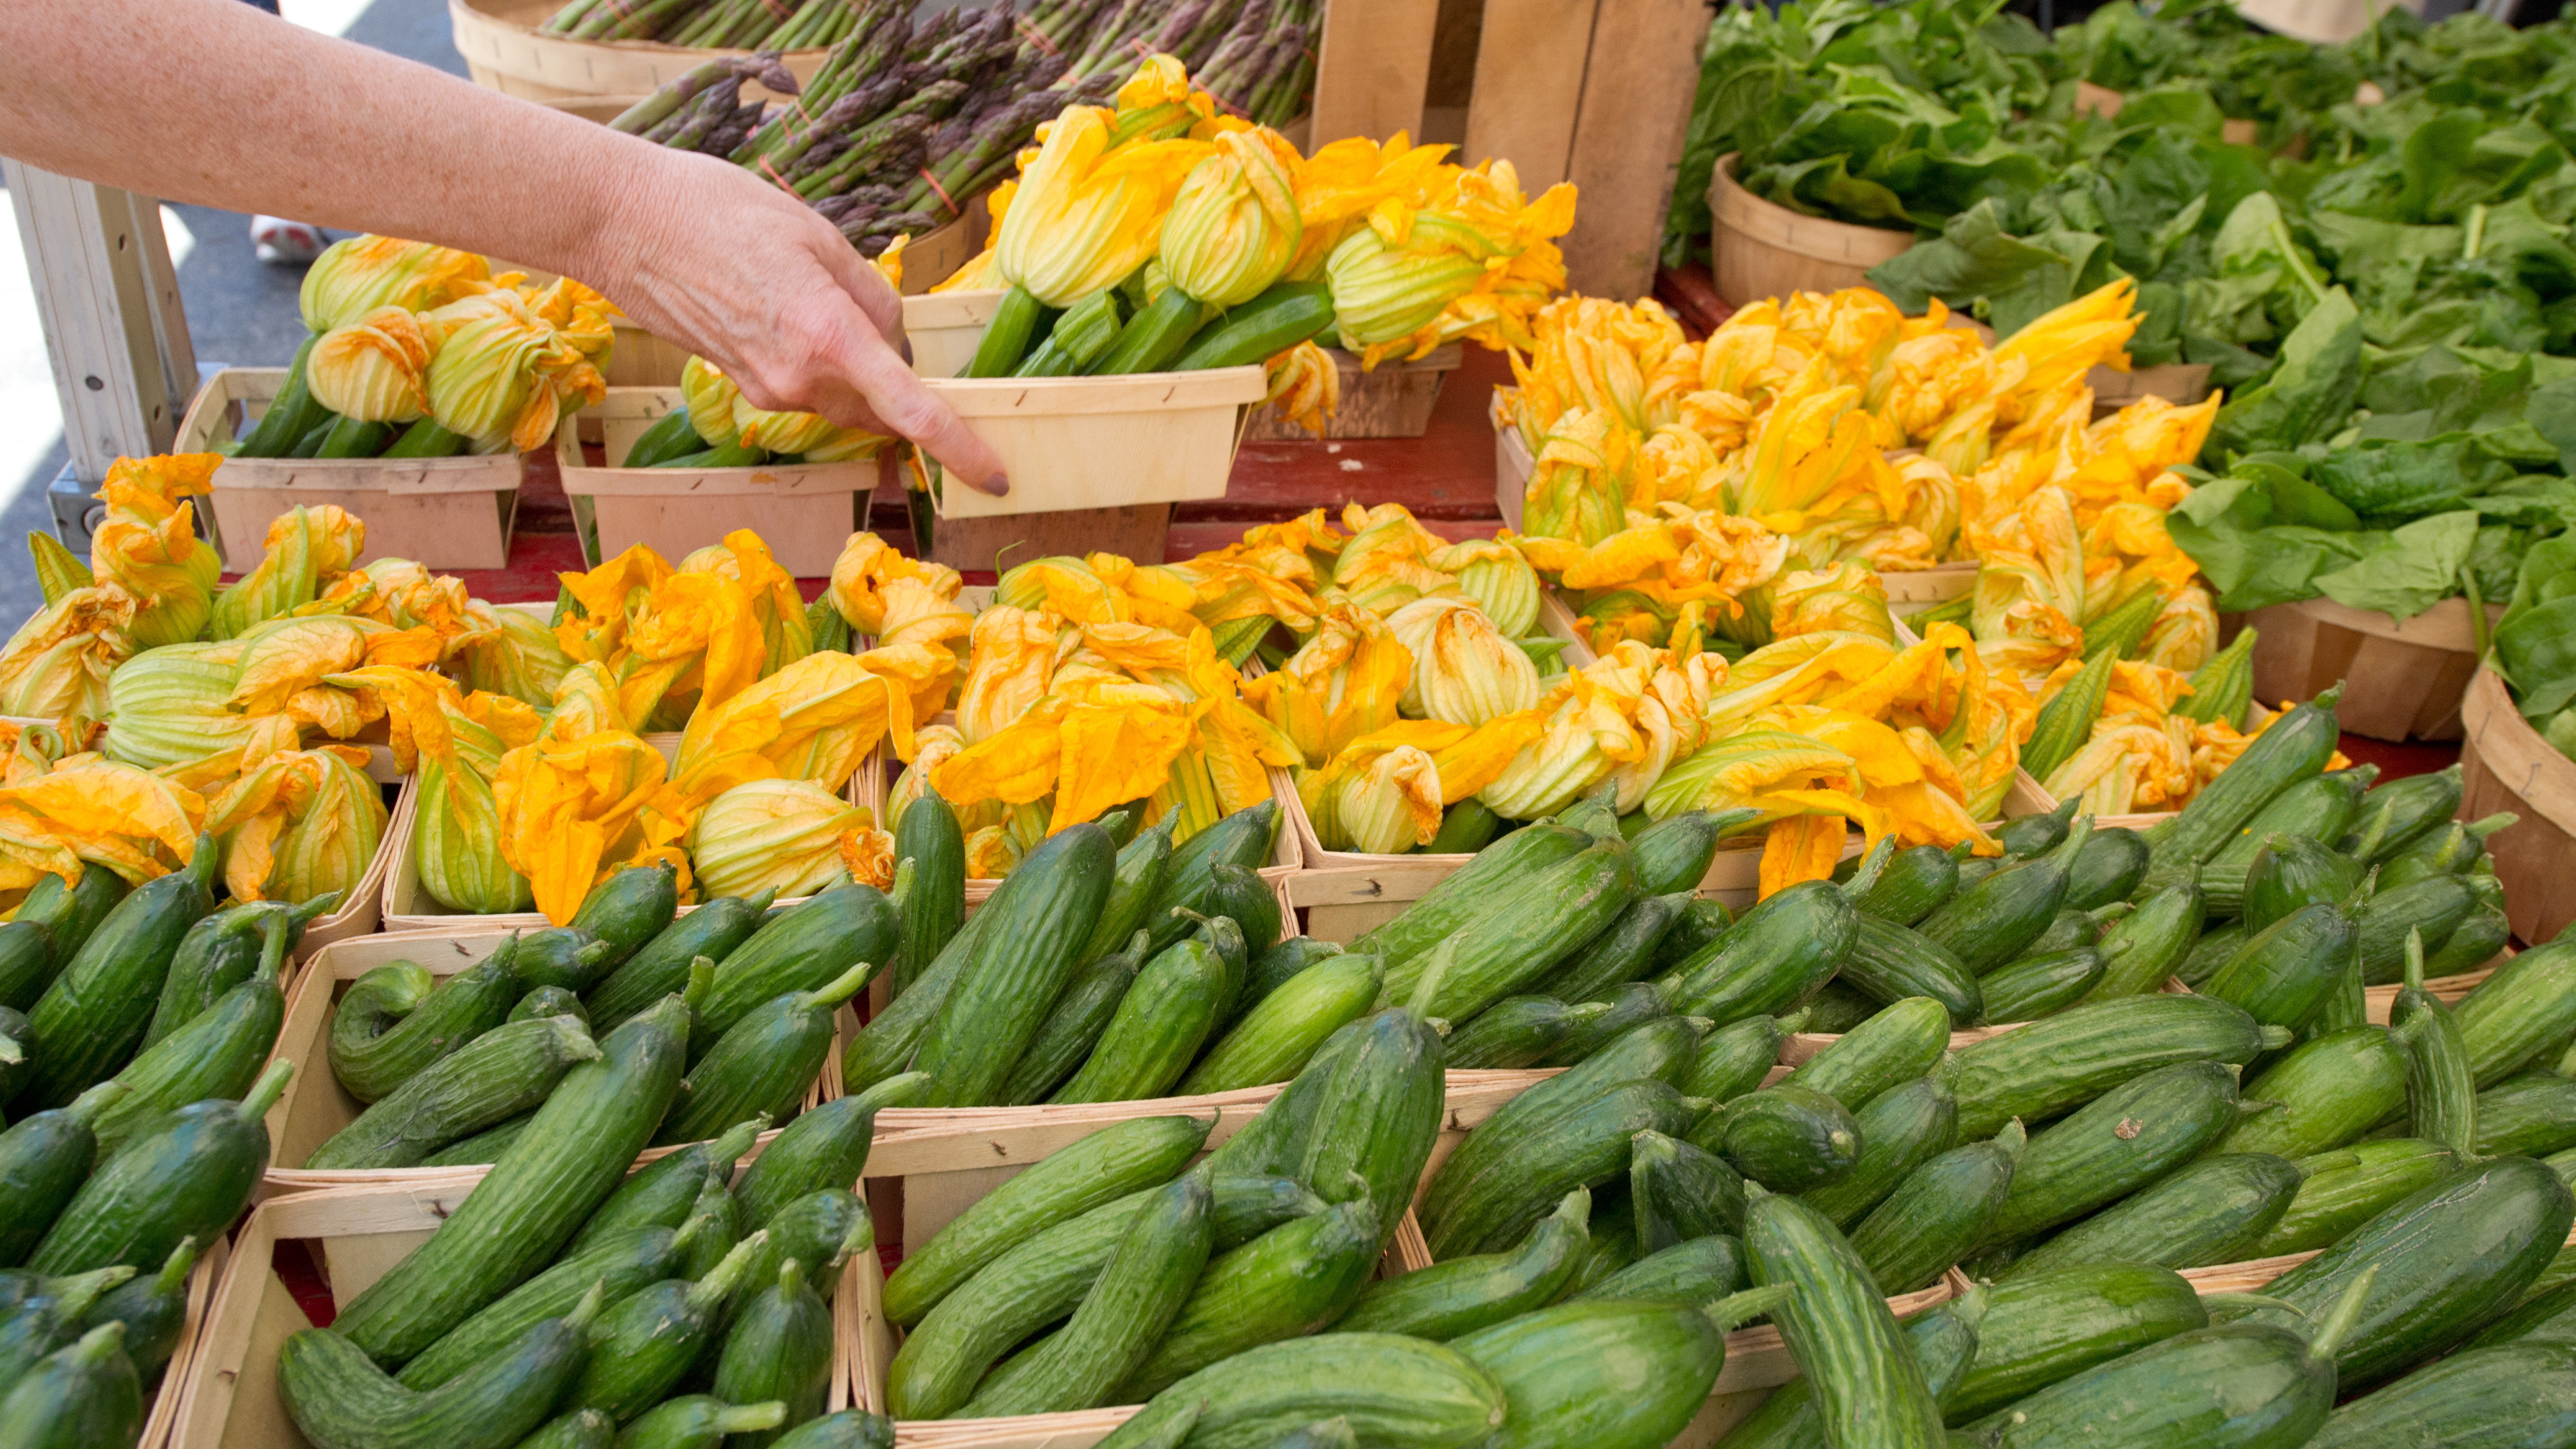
x=725 y=263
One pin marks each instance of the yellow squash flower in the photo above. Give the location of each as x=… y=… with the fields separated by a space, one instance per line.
x=1384 y=804
x=374 y=369
x=1464 y=670
x=933 y=745
x=564 y=809
x=168 y=711
x=1475 y=258
x=505 y=371
x=1305 y=385
x=745 y=559
x=147 y=544
x=360 y=274
x=308 y=549
x=866 y=571
x=58 y=664
x=1342 y=683
x=298 y=824
x=1846 y=598
x=1502 y=583
x=511 y=652
x=94 y=811
x=1013 y=660
x=784 y=835
x=1090 y=208
x=1233 y=227
x=1343 y=182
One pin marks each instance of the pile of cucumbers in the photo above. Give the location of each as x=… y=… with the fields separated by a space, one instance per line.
x=1119 y=330
x=1113 y=1269
x=569 y=1304
x=1109 y=966
x=155 y=988
x=453 y=1069
x=97 y=1242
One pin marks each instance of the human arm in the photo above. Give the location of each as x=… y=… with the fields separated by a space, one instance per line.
x=212 y=102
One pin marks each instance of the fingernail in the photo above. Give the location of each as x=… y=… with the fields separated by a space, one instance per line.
x=999 y=485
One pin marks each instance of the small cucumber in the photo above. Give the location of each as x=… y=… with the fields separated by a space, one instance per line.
x=1285 y=1283
x=1517 y=1031
x=2043 y=1328
x=661 y=967
x=44 y=1159
x=1678 y=1192
x=1916 y=881
x=1897 y=1045
x=827 y=1147
x=2328 y=1091
x=1734 y=1059
x=1787 y=1138
x=1627 y=1008
x=557 y=956
x=643 y=1344
x=379 y=1047
x=1889 y=963
x=2342 y=1190
x=2292 y=871
x=1938 y=1213
x=1701 y=1270
x=2141 y=949
x=2040 y=985
x=1869 y=1387
x=1995 y=920
x=2109 y=868
x=1275 y=1039
x=778 y=1349
x=1157 y=1031
x=1624 y=951
x=501 y=1074
x=1900 y=1130
x=186 y=1176
x=2117 y=1144
x=620 y=1263
x=763 y=1065
x=2210 y=1211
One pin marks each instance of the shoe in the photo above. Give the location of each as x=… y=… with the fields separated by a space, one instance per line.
x=283 y=243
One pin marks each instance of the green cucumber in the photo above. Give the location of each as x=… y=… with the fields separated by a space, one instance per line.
x=2441 y=1091
x=1787 y=1138
x=644 y=1343
x=1628 y=1007
x=27 y=959
x=2142 y=948
x=2509 y=1020
x=548 y=1001
x=480 y=1150
x=700 y=1421
x=1939 y=1212
x=1702 y=921
x=1154 y=335
x=1471 y=891
x=1445 y=1300
x=1916 y=880
x=1134 y=881
x=2115 y=1145
x=2069 y=929
x=2446 y=1260
x=1869 y=1388
x=2512 y=1393
x=507 y=1071
x=763 y=1065
x=2061 y=1062
x=1673 y=854
x=1889 y=963
x=2030 y=836
x=1585 y=1146
x=670 y=436
x=662 y=1192
x=2434 y=906
x=1944 y=1340
x=1995 y=920
x=1403 y=1393
x=562 y=956
x=848 y=1429
x=1021 y=961
x=154 y=1309
x=1624 y=951
x=2402 y=812
x=886 y=1047
x=2295 y=747
x=2210 y=1211
x=2292 y=871
x=1374 y=1124
x=1775 y=956
x=1687 y=1274
x=44 y=1159
x=1734 y=1059
x=1275 y=967
x=661 y=966
x=620 y=1264
x=572 y=1155
x=186 y=1176
x=1242 y=839
x=218 y=954
x=778 y=1349
x=2528 y=1116
x=2109 y=867
x=2040 y=985
x=1678 y=1192
x=69 y=914
x=630 y=908
x=2341 y=1190
x=218 y=1053
x=1287 y=1283
x=1900 y=1130
x=1560 y=909
x=2213 y=950
x=1608 y=1374
x=2328 y=1091
x=819 y=1231
x=1033 y=1284
x=1073 y=1028
x=717 y=1219
x=1280 y=318
x=2453 y=851
x=95 y=1013
x=381 y=1045
x=341 y=1400
x=1465 y=828
x=1019 y=320
x=1275 y=1039
x=827 y=1147
x=1897 y=1045
x=289 y=415
x=2045 y=1327
x=803 y=948
x=1107 y=1164
x=1517 y=1031
x=1157 y=1030
x=2232 y=1386
x=80 y=1395
x=1139 y=1292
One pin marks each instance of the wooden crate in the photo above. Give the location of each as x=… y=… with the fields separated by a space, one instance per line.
x=805 y=510
x=2506 y=765
x=230 y=1398
x=1394 y=400
x=945 y=328
x=504 y=51
x=1596 y=92
x=2401 y=679
x=408 y=905
x=1763 y=249
x=443 y=513
x=1100 y=442
x=315 y=1106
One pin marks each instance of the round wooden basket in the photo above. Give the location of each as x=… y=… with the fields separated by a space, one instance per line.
x=2506 y=765
x=1762 y=249
x=2402 y=679
x=505 y=52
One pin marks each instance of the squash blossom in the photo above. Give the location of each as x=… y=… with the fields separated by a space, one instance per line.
x=508 y=363
x=1090 y=208
x=374 y=369
x=744 y=558
x=1233 y=228
x=298 y=824
x=787 y=835
x=1474 y=257
x=168 y=712
x=1464 y=670
x=148 y=546
x=511 y=652
x=355 y=276
x=1342 y=683
x=92 y=811
x=711 y=397
x=1305 y=385
x=308 y=549
x=566 y=811
x=58 y=664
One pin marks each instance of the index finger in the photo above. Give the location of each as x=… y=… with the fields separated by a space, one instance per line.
x=897 y=396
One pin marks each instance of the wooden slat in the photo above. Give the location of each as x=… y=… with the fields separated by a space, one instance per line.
x=1529 y=85
x=1372 y=67
x=1628 y=140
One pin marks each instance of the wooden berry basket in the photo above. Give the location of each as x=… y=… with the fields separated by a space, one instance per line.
x=315 y=1105
x=1392 y=400
x=1762 y=249
x=443 y=513
x=2402 y=679
x=806 y=510
x=230 y=1398
x=505 y=51
x=2506 y=765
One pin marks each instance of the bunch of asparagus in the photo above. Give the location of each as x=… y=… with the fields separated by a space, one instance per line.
x=732 y=24
x=909 y=117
